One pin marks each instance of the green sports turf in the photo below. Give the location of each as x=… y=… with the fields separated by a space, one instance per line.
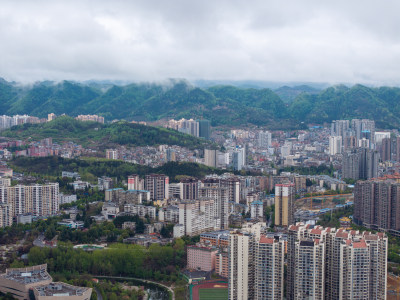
x=213 y=294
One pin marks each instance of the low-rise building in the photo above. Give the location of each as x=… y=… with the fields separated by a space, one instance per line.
x=67 y=198
x=123 y=197
x=104 y=183
x=80 y=185
x=5 y=181
x=19 y=281
x=110 y=210
x=201 y=257
x=169 y=214
x=218 y=238
x=70 y=175
x=71 y=223
x=24 y=218
x=61 y=290
x=141 y=210
x=148 y=228
x=257 y=210
x=179 y=231
x=129 y=225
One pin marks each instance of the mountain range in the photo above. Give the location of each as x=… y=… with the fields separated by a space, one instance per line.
x=282 y=108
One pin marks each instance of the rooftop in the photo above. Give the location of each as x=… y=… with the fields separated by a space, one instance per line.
x=28 y=275
x=60 y=289
x=360 y=244
x=266 y=240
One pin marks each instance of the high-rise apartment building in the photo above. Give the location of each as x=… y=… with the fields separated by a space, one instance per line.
x=112 y=154
x=340 y=128
x=255 y=264
x=363 y=128
x=171 y=154
x=197 y=216
x=377 y=205
x=386 y=149
x=157 y=185
x=284 y=204
x=210 y=157
x=335 y=145
x=40 y=200
x=360 y=164
x=264 y=139
x=51 y=117
x=232 y=184
x=241 y=266
x=237 y=160
x=269 y=273
x=326 y=263
x=309 y=269
x=134 y=182
x=190 y=188
x=204 y=129
x=221 y=207
x=5 y=215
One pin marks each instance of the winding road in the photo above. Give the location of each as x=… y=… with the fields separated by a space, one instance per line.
x=142 y=280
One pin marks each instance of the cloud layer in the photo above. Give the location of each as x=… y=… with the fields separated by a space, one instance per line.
x=319 y=41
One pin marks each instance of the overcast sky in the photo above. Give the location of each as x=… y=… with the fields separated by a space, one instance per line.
x=317 y=41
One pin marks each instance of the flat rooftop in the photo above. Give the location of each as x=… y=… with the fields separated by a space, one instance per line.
x=27 y=275
x=60 y=289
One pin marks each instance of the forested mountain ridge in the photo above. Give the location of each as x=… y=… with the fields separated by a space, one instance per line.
x=284 y=108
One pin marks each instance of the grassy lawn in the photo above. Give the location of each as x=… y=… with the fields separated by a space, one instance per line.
x=213 y=294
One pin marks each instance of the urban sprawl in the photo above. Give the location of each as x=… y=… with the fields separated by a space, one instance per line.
x=260 y=226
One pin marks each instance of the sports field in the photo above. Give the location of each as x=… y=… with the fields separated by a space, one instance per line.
x=213 y=294
x=209 y=290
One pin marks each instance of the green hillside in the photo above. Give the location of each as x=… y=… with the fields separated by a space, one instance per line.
x=289 y=94
x=341 y=102
x=92 y=168
x=284 y=108
x=91 y=133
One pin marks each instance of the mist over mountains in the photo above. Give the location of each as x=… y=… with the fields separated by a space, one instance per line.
x=283 y=107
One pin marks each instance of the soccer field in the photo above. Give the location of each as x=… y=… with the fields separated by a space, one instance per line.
x=213 y=294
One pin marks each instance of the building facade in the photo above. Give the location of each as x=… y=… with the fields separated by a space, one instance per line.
x=284 y=204
x=158 y=186
x=40 y=200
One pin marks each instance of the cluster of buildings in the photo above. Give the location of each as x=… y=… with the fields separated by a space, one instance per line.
x=7 y=121
x=198 y=128
x=322 y=263
x=93 y=118
x=154 y=156
x=197 y=206
x=36 y=283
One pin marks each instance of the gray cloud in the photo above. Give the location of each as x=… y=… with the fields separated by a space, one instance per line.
x=330 y=41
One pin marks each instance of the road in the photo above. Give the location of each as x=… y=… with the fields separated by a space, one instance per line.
x=139 y=279
x=99 y=296
x=39 y=242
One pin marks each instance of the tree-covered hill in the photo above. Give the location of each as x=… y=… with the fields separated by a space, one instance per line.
x=286 y=107
x=104 y=135
x=93 y=168
x=289 y=94
x=341 y=102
